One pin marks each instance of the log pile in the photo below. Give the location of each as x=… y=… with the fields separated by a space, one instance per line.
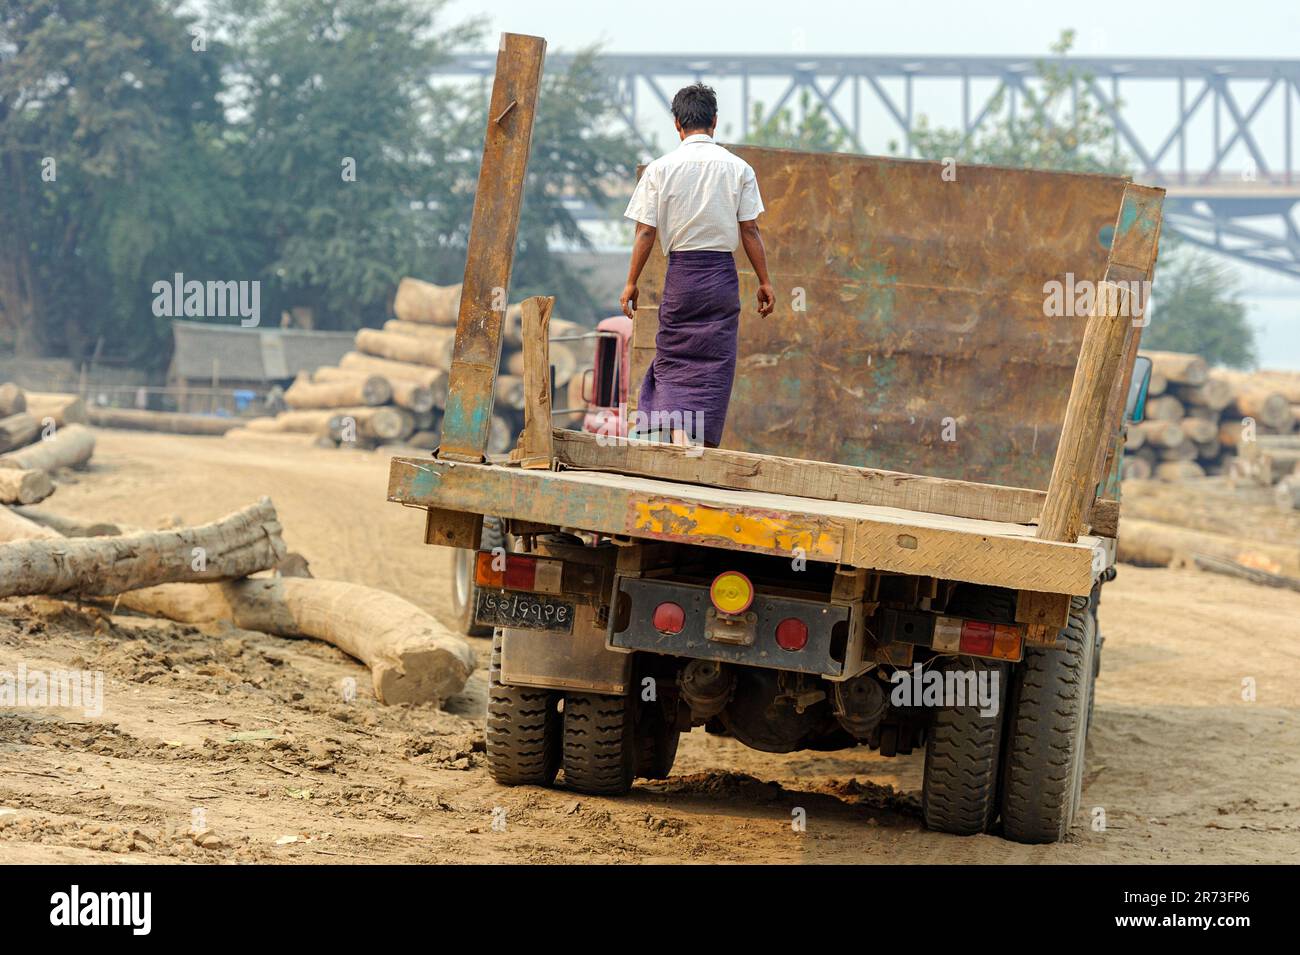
x=1201 y=421
x=391 y=389
x=39 y=434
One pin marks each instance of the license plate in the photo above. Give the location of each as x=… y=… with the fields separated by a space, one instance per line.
x=519 y=611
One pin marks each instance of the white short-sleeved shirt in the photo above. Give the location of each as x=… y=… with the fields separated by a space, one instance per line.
x=695 y=196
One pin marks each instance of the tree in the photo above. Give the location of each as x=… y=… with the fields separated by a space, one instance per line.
x=1196 y=304
x=813 y=132
x=110 y=178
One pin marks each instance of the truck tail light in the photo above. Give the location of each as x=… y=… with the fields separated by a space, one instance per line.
x=669 y=617
x=974 y=637
x=791 y=634
x=520 y=572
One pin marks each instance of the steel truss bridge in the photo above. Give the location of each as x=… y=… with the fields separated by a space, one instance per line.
x=1219 y=134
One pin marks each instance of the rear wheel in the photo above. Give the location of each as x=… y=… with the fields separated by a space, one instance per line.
x=1048 y=727
x=600 y=750
x=464 y=594
x=960 y=789
x=523 y=730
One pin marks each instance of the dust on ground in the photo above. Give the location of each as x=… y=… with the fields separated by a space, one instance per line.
x=222 y=745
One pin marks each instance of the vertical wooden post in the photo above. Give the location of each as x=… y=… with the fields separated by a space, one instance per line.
x=536 y=445
x=493 y=229
x=1108 y=343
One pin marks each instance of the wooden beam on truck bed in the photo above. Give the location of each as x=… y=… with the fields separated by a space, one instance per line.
x=821 y=480
x=859 y=535
x=492 y=232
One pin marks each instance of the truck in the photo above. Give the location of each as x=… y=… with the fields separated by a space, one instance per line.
x=902 y=542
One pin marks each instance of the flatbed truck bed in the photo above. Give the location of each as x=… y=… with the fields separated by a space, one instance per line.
x=889 y=539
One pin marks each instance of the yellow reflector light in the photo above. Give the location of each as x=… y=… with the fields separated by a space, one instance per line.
x=731 y=592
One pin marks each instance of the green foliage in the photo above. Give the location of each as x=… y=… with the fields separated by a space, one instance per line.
x=305 y=146
x=813 y=132
x=105 y=111
x=1195 y=308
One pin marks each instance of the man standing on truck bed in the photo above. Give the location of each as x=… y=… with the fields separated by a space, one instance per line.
x=698 y=199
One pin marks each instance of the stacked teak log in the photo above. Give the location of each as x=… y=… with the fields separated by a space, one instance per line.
x=1203 y=421
x=39 y=433
x=392 y=388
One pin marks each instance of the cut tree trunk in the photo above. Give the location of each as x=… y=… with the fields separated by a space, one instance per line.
x=1178 y=470
x=344 y=393
x=62 y=409
x=435 y=379
x=1179 y=367
x=235 y=546
x=170 y=422
x=1153 y=544
x=1165 y=408
x=316 y=421
x=412 y=658
x=418 y=301
x=410 y=395
x=70 y=447
x=24 y=487
x=510 y=391
x=434 y=351
x=379 y=424
x=15 y=527
x=1215 y=394
x=18 y=430
x=12 y=399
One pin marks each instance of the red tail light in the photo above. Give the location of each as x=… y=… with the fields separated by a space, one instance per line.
x=791 y=634
x=977 y=638
x=669 y=618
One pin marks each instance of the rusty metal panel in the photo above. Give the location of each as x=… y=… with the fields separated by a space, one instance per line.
x=923 y=306
x=490 y=256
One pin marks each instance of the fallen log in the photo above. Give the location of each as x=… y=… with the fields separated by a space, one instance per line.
x=1136 y=468
x=169 y=422
x=235 y=546
x=1180 y=470
x=1152 y=544
x=412 y=658
x=409 y=394
x=1214 y=394
x=1159 y=434
x=419 y=329
x=16 y=527
x=72 y=526
x=434 y=379
x=12 y=399
x=62 y=409
x=313 y=421
x=419 y=301
x=510 y=391
x=1165 y=408
x=343 y=393
x=434 y=351
x=385 y=423
x=18 y=430
x=283 y=439
x=69 y=447
x=1179 y=367
x=24 y=487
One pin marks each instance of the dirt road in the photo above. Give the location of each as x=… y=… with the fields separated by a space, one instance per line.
x=254 y=738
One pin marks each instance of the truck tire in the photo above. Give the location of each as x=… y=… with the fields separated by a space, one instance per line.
x=523 y=730
x=600 y=751
x=1047 y=731
x=464 y=594
x=959 y=793
x=656 y=746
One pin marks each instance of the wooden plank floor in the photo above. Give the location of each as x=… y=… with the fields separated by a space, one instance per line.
x=862 y=535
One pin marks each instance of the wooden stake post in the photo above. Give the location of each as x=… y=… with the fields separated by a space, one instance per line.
x=492 y=234
x=536 y=445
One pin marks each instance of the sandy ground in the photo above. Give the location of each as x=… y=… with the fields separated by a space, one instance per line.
x=254 y=739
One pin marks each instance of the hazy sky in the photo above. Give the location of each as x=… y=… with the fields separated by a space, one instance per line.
x=1173 y=28
x=1256 y=28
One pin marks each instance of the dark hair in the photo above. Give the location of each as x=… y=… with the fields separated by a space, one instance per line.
x=696 y=106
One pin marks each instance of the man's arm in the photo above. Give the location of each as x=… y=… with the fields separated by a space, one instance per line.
x=752 y=240
x=642 y=244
